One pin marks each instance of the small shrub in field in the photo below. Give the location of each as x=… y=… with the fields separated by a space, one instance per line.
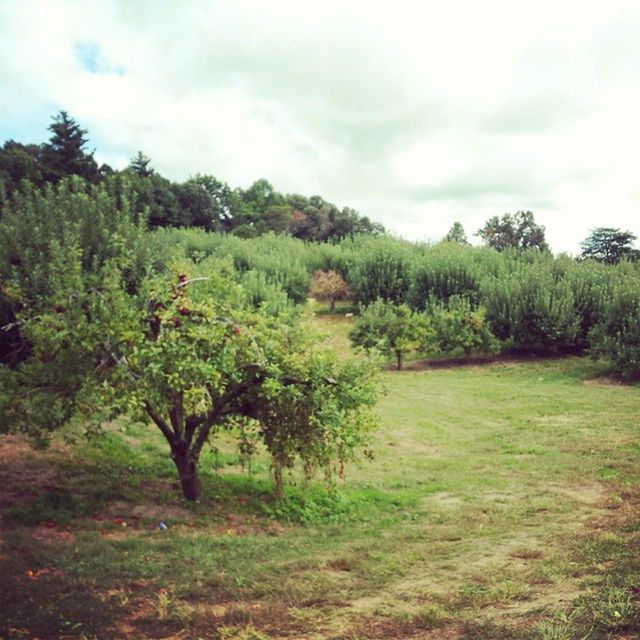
x=329 y=286
x=392 y=329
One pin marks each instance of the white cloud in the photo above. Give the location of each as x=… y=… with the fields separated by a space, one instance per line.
x=417 y=113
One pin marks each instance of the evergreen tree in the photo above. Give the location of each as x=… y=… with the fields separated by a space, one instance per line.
x=457 y=234
x=140 y=165
x=65 y=154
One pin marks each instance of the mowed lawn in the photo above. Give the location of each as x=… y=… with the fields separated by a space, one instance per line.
x=501 y=502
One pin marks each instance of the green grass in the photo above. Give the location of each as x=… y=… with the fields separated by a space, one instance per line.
x=502 y=502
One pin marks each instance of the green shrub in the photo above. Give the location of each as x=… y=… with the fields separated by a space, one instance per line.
x=617 y=336
x=382 y=269
x=442 y=272
x=391 y=329
x=531 y=306
x=460 y=329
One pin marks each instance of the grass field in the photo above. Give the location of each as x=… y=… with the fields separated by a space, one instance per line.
x=502 y=502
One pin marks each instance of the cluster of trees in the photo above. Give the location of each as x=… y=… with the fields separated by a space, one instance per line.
x=532 y=301
x=513 y=231
x=202 y=330
x=106 y=325
x=451 y=329
x=520 y=231
x=201 y=201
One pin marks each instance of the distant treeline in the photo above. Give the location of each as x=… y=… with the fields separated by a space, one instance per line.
x=201 y=201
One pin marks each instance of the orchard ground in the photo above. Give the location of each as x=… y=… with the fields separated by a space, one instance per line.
x=502 y=502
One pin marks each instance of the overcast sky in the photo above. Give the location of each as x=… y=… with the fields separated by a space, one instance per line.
x=417 y=114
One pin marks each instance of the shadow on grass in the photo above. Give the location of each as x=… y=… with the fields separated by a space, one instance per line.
x=40 y=601
x=82 y=553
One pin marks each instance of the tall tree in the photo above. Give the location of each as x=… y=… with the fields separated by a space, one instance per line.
x=65 y=153
x=225 y=202
x=261 y=195
x=513 y=231
x=609 y=245
x=196 y=205
x=140 y=165
x=456 y=234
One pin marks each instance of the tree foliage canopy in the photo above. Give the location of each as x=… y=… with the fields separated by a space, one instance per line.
x=609 y=245
x=328 y=285
x=391 y=329
x=200 y=201
x=513 y=231
x=457 y=234
x=181 y=344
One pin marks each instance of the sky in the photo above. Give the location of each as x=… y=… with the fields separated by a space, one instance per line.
x=417 y=114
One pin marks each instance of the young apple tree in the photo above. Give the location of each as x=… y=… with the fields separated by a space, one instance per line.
x=392 y=329
x=328 y=285
x=186 y=354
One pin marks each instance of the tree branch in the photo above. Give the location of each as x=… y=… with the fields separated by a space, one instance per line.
x=176 y=413
x=193 y=422
x=186 y=282
x=161 y=423
x=212 y=416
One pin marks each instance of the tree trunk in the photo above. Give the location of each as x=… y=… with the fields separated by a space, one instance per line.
x=187 y=465
x=332 y=306
x=279 y=482
x=399 y=360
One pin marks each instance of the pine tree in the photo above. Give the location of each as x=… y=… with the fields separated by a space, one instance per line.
x=140 y=165
x=457 y=234
x=64 y=154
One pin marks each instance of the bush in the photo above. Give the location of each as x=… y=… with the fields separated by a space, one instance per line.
x=531 y=306
x=391 y=329
x=617 y=336
x=382 y=269
x=461 y=330
x=444 y=271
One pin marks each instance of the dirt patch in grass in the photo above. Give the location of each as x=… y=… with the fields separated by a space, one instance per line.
x=604 y=381
x=243 y=525
x=591 y=495
x=148 y=511
x=443 y=499
x=552 y=598
x=49 y=535
x=413 y=446
x=383 y=627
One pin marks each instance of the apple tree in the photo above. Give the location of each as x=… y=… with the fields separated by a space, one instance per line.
x=391 y=329
x=185 y=353
x=328 y=285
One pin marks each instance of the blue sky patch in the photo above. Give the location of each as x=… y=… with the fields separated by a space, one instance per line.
x=89 y=55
